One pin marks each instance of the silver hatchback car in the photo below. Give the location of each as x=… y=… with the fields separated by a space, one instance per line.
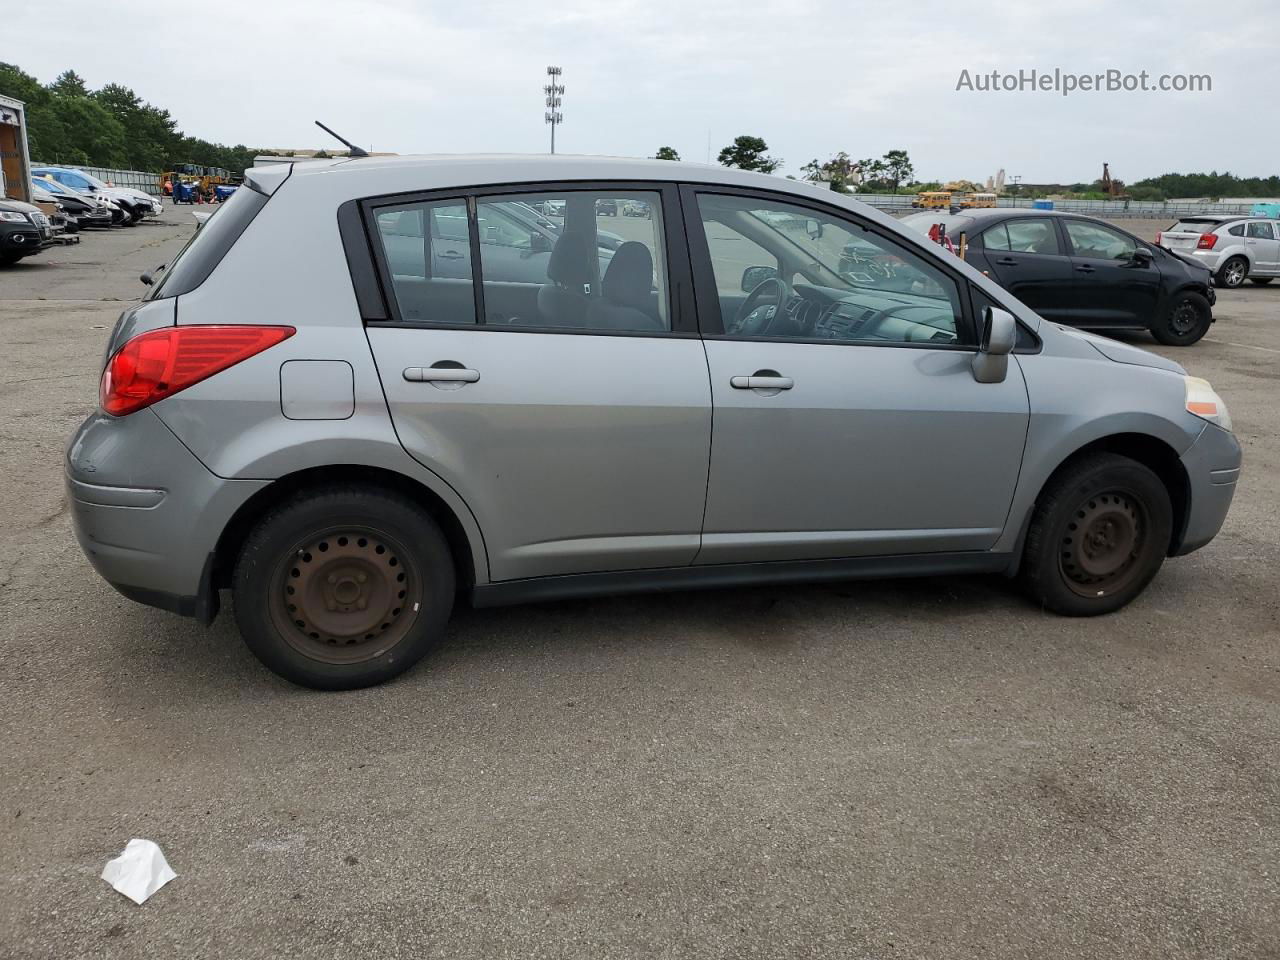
x=368 y=387
x=1233 y=248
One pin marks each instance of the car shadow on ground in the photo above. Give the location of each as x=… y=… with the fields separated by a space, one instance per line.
x=778 y=620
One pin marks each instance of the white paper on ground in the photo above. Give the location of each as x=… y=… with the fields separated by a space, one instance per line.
x=139 y=871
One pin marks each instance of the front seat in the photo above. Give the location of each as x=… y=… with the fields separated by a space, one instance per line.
x=628 y=290
x=563 y=301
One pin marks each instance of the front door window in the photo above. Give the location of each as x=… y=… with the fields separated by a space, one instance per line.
x=785 y=271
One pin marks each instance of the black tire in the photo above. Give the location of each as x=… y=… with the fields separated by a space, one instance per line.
x=1261 y=281
x=1099 y=534
x=343 y=587
x=1232 y=273
x=1185 y=320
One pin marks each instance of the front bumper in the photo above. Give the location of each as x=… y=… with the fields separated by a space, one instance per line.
x=147 y=513
x=1213 y=467
x=23 y=239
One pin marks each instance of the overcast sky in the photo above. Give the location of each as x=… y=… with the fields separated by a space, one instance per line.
x=810 y=76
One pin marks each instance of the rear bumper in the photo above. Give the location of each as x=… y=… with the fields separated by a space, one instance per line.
x=147 y=513
x=1213 y=467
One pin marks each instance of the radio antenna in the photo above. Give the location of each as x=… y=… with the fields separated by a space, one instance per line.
x=354 y=150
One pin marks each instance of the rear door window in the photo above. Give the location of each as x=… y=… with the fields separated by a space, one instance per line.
x=1032 y=235
x=571 y=259
x=427 y=253
x=1260 y=230
x=997 y=238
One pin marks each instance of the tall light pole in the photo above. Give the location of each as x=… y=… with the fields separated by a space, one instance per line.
x=553 y=90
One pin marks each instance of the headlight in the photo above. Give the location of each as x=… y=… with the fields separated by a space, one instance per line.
x=13 y=216
x=1204 y=402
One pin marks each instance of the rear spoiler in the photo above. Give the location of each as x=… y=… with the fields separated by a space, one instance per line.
x=267 y=178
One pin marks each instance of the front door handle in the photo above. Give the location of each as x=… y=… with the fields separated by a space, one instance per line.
x=758 y=382
x=441 y=375
x=452 y=255
x=1007 y=262
x=1085 y=268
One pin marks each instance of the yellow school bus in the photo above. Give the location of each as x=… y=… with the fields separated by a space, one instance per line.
x=929 y=199
x=978 y=200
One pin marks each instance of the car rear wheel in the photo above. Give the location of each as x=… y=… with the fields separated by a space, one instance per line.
x=1232 y=273
x=1261 y=281
x=1099 y=534
x=343 y=587
x=1186 y=321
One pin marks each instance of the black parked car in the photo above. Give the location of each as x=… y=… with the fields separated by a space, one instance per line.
x=24 y=230
x=1082 y=271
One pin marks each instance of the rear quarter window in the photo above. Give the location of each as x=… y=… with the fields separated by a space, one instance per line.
x=209 y=244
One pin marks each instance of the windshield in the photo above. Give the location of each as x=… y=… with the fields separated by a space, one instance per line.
x=94 y=180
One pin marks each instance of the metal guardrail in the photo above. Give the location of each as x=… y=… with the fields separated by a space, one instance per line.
x=133 y=179
x=1107 y=209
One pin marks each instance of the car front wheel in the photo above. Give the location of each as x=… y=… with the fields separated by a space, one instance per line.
x=1099 y=534
x=343 y=587
x=1185 y=321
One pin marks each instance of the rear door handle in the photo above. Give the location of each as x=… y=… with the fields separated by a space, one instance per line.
x=1085 y=268
x=452 y=255
x=761 y=383
x=441 y=375
x=1007 y=262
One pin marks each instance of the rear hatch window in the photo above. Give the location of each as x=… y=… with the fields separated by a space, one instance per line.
x=1194 y=226
x=208 y=245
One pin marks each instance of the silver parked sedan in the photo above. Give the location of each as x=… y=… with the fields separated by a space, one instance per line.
x=367 y=388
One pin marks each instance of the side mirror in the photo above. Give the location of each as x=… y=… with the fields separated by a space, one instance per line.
x=1142 y=257
x=752 y=277
x=813 y=228
x=999 y=334
x=539 y=243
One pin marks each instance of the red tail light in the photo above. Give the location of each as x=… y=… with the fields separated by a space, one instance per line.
x=1206 y=241
x=158 y=364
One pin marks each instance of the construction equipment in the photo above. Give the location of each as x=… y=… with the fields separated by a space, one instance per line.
x=204 y=178
x=1112 y=188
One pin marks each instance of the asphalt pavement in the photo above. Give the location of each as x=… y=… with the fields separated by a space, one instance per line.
x=930 y=768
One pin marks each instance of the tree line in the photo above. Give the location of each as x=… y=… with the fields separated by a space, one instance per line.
x=110 y=127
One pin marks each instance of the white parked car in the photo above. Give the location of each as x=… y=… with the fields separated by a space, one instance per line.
x=1234 y=248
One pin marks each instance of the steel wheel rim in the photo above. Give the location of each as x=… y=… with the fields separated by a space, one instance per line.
x=1185 y=317
x=1102 y=544
x=345 y=595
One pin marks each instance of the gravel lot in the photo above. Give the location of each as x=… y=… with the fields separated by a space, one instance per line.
x=902 y=769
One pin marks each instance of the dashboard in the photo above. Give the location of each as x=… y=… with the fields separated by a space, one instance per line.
x=823 y=313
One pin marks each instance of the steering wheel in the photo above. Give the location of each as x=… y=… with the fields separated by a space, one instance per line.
x=750 y=320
